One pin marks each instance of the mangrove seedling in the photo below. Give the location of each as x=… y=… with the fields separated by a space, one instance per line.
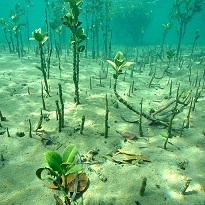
x=41 y=39
x=5 y=30
x=183 y=11
x=59 y=168
x=194 y=42
x=70 y=19
x=175 y=111
x=170 y=55
x=16 y=27
x=118 y=64
x=166 y=28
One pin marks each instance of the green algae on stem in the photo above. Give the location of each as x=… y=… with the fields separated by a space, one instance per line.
x=71 y=20
x=143 y=186
x=40 y=121
x=169 y=131
x=106 y=117
x=62 y=104
x=41 y=39
x=59 y=116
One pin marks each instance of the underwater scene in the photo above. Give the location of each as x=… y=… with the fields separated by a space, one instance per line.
x=102 y=102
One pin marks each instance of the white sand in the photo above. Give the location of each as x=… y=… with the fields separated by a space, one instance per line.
x=19 y=184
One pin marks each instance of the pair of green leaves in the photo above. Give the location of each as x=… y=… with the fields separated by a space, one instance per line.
x=60 y=165
x=77 y=38
x=167 y=26
x=119 y=63
x=80 y=35
x=170 y=54
x=75 y=11
x=39 y=37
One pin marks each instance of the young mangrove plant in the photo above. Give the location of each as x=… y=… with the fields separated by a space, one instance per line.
x=57 y=30
x=5 y=30
x=71 y=20
x=194 y=43
x=59 y=168
x=41 y=39
x=183 y=11
x=170 y=55
x=16 y=28
x=166 y=28
x=174 y=112
x=118 y=64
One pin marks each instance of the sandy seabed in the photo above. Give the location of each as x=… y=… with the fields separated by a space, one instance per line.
x=22 y=156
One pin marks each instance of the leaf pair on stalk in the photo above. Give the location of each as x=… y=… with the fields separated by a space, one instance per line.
x=119 y=63
x=60 y=165
x=39 y=37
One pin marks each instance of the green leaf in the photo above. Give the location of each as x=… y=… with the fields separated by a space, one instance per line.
x=38 y=36
x=53 y=25
x=77 y=2
x=126 y=64
x=119 y=59
x=79 y=32
x=112 y=64
x=51 y=180
x=119 y=63
x=82 y=38
x=67 y=19
x=55 y=155
x=69 y=154
x=75 y=11
x=45 y=167
x=81 y=48
x=80 y=35
x=40 y=170
x=54 y=160
x=74 y=169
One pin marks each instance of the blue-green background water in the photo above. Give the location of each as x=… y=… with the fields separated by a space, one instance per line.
x=159 y=10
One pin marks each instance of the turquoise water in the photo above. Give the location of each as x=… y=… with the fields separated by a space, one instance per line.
x=154 y=14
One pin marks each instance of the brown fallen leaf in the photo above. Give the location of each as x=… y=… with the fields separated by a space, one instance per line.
x=130 y=158
x=125 y=152
x=127 y=135
x=82 y=183
x=119 y=158
x=138 y=156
